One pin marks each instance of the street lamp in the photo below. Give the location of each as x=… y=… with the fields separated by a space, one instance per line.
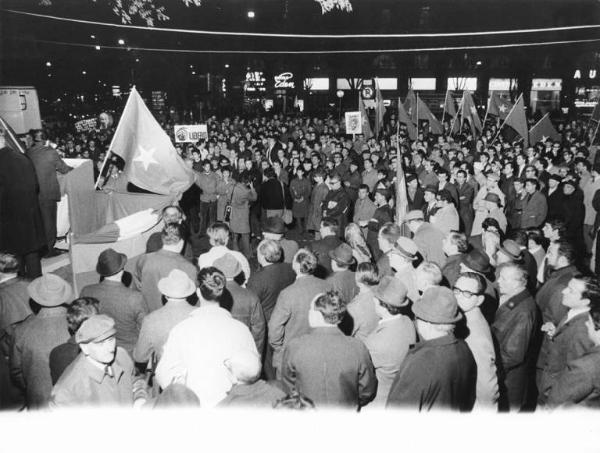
x=340 y=95
x=251 y=14
x=121 y=42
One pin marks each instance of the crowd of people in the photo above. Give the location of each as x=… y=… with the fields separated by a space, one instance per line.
x=307 y=269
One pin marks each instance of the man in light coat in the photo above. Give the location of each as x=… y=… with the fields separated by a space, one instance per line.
x=446 y=218
x=428 y=238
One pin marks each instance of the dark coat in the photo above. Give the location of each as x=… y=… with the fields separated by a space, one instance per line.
x=535 y=209
x=274 y=195
x=572 y=211
x=321 y=249
x=513 y=330
x=21 y=227
x=47 y=162
x=554 y=203
x=466 y=195
x=436 y=374
x=247 y=309
x=417 y=201
x=579 y=382
x=451 y=269
x=340 y=211
x=330 y=369
x=61 y=357
x=549 y=296
x=268 y=282
x=344 y=282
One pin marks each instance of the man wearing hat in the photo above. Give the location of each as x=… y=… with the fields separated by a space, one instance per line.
x=274 y=229
x=246 y=306
x=446 y=217
x=440 y=372
x=329 y=232
x=535 y=207
x=125 y=305
x=342 y=279
x=395 y=333
x=428 y=238
x=402 y=258
x=383 y=214
x=554 y=195
x=35 y=337
x=478 y=262
x=102 y=375
x=176 y=288
x=481 y=205
x=573 y=212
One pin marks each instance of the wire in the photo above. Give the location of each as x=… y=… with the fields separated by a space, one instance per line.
x=352 y=51
x=306 y=36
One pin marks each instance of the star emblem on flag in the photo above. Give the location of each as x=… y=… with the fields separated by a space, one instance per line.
x=502 y=108
x=145 y=156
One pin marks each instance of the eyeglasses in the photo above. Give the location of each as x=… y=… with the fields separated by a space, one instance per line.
x=457 y=291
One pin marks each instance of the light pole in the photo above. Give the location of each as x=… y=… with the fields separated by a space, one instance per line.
x=340 y=95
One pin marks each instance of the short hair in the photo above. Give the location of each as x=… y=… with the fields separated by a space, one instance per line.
x=269 y=173
x=364 y=186
x=271 y=250
x=390 y=232
x=172 y=233
x=319 y=172
x=446 y=196
x=520 y=273
x=218 y=233
x=519 y=236
x=80 y=310
x=459 y=240
x=307 y=261
x=490 y=222
x=535 y=235
x=331 y=306
x=172 y=206
x=331 y=223
x=211 y=283
x=559 y=225
x=462 y=172
x=592 y=288
x=9 y=264
x=367 y=274
x=433 y=272
x=533 y=181
x=478 y=278
x=566 y=250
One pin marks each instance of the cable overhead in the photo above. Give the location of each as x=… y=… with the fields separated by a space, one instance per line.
x=305 y=36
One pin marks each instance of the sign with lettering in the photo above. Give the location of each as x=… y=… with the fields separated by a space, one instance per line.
x=285 y=80
x=85 y=125
x=353 y=123
x=255 y=81
x=190 y=133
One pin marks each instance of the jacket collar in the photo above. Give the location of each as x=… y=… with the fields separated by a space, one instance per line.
x=98 y=374
x=562 y=271
x=516 y=299
x=441 y=341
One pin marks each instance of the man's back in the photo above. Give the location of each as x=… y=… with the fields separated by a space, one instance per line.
x=196 y=349
x=321 y=249
x=14 y=302
x=126 y=306
x=47 y=162
x=330 y=368
x=429 y=241
x=247 y=309
x=268 y=282
x=345 y=283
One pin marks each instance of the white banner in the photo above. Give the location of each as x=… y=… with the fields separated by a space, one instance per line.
x=353 y=123
x=85 y=125
x=190 y=133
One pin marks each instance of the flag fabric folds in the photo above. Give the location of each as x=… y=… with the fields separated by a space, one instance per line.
x=125 y=228
x=410 y=105
x=543 y=130
x=498 y=106
x=401 y=196
x=449 y=106
x=151 y=161
x=379 y=109
x=405 y=119
x=366 y=126
x=424 y=113
x=518 y=121
x=469 y=112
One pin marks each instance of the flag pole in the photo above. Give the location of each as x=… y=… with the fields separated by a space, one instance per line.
x=595 y=132
x=113 y=139
x=511 y=110
x=444 y=110
x=460 y=109
x=488 y=108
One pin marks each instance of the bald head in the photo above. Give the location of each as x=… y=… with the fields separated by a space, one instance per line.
x=244 y=365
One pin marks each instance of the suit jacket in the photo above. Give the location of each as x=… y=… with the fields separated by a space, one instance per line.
x=569 y=342
x=579 y=383
x=321 y=249
x=451 y=269
x=535 y=209
x=436 y=374
x=466 y=195
x=555 y=201
x=388 y=345
x=34 y=338
x=14 y=302
x=47 y=162
x=362 y=315
x=446 y=219
x=247 y=309
x=151 y=267
x=429 y=241
x=330 y=368
x=126 y=306
x=514 y=329
x=417 y=201
x=341 y=210
x=345 y=283
x=261 y=394
x=290 y=315
x=268 y=282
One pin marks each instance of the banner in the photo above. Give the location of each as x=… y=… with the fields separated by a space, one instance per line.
x=353 y=123
x=190 y=133
x=85 y=125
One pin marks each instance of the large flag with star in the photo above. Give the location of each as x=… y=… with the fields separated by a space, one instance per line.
x=151 y=161
x=499 y=106
x=424 y=113
x=410 y=105
x=543 y=130
x=518 y=121
x=449 y=107
x=469 y=113
x=405 y=119
x=379 y=109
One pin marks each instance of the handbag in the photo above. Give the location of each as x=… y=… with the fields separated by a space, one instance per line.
x=287 y=214
x=227 y=216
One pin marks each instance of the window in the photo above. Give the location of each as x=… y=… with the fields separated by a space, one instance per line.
x=317 y=84
x=462 y=83
x=422 y=83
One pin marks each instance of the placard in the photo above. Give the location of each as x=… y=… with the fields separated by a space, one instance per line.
x=190 y=133
x=85 y=125
x=353 y=123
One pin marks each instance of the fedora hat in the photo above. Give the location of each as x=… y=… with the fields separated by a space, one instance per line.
x=177 y=285
x=431 y=188
x=274 y=225
x=477 y=261
x=437 y=306
x=110 y=262
x=511 y=249
x=492 y=197
x=50 y=290
x=391 y=291
x=415 y=214
x=229 y=265
x=407 y=248
x=342 y=254
x=95 y=329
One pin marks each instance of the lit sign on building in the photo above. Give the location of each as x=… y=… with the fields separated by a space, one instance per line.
x=546 y=84
x=255 y=81
x=285 y=80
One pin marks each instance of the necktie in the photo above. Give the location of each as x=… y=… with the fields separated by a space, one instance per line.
x=108 y=371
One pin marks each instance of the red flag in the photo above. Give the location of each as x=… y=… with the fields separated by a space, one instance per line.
x=410 y=105
x=401 y=196
x=151 y=161
x=498 y=106
x=424 y=113
x=449 y=107
x=405 y=119
x=518 y=121
x=366 y=126
x=379 y=109
x=543 y=130
x=469 y=112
